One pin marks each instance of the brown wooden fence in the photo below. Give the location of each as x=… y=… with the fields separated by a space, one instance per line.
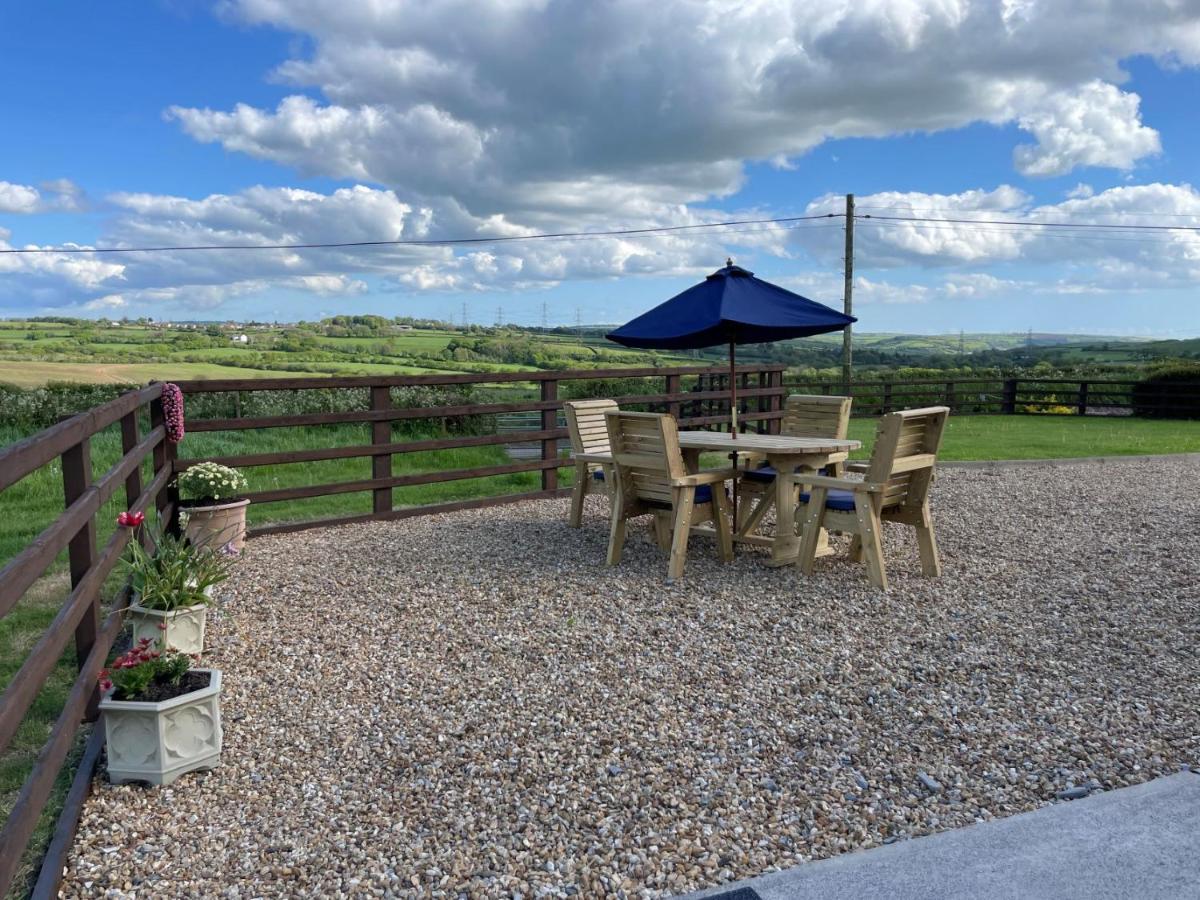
x=80 y=616
x=698 y=397
x=702 y=402
x=1005 y=396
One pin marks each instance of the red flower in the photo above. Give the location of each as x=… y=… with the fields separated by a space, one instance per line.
x=162 y=626
x=131 y=519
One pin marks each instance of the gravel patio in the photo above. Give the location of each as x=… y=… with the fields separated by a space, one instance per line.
x=474 y=705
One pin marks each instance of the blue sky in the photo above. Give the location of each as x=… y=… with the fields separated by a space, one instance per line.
x=304 y=120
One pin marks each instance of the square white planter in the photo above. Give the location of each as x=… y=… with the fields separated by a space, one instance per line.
x=158 y=742
x=184 y=631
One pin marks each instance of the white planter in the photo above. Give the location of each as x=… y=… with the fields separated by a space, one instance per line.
x=184 y=631
x=158 y=742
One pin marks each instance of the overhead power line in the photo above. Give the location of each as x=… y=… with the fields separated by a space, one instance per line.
x=432 y=242
x=1035 y=224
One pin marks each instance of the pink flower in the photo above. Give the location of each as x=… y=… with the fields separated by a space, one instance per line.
x=131 y=519
x=162 y=626
x=172 y=404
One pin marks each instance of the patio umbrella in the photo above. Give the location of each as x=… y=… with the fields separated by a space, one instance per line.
x=731 y=307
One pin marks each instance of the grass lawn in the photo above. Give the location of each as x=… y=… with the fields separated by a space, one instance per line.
x=1051 y=437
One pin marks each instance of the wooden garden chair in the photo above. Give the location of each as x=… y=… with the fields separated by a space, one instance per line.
x=590 y=451
x=895 y=488
x=804 y=415
x=651 y=478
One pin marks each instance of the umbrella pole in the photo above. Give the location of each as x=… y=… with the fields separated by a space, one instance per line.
x=733 y=457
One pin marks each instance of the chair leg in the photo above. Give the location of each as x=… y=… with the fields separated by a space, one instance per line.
x=616 y=534
x=869 y=527
x=721 y=519
x=814 y=518
x=578 y=490
x=856 y=549
x=662 y=530
x=927 y=544
x=685 y=501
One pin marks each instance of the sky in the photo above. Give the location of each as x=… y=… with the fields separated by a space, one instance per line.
x=321 y=121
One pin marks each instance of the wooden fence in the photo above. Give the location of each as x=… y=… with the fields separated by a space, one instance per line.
x=702 y=402
x=1005 y=396
x=698 y=397
x=80 y=616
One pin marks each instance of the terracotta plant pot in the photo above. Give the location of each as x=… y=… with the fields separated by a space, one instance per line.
x=184 y=631
x=217 y=525
x=158 y=742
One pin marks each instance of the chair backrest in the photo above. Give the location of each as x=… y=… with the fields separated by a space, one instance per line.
x=586 y=425
x=816 y=415
x=645 y=451
x=906 y=447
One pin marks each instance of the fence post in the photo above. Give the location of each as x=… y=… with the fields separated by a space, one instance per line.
x=1008 y=399
x=776 y=402
x=81 y=554
x=165 y=454
x=950 y=396
x=1083 y=398
x=550 y=444
x=887 y=399
x=381 y=463
x=674 y=407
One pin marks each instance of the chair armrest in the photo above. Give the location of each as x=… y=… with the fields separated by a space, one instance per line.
x=593 y=457
x=839 y=484
x=708 y=476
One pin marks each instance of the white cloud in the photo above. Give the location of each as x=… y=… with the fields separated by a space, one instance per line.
x=539 y=113
x=1094 y=125
x=18 y=198
x=58 y=195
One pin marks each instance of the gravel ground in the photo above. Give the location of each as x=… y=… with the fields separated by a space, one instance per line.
x=473 y=705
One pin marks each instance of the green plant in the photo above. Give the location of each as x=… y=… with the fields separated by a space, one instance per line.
x=175 y=574
x=132 y=673
x=210 y=482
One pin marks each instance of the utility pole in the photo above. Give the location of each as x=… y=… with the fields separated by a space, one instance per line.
x=848 y=295
x=962 y=349
x=544 y=329
x=464 y=314
x=578 y=322
x=499 y=316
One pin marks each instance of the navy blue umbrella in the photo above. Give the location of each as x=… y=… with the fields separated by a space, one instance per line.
x=731 y=307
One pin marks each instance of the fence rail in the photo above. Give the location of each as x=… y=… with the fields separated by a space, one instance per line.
x=81 y=615
x=1007 y=396
x=698 y=397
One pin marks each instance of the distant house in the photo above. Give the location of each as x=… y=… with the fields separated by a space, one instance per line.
x=404 y=328
x=239 y=339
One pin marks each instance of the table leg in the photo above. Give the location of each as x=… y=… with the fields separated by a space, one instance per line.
x=691 y=459
x=786 y=547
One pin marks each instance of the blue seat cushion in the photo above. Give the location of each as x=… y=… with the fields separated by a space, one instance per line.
x=843 y=500
x=598 y=474
x=767 y=473
x=704 y=494
x=762 y=473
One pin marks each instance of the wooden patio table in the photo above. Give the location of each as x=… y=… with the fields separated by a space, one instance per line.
x=784 y=453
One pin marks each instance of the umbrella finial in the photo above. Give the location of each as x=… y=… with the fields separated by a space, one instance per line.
x=728 y=261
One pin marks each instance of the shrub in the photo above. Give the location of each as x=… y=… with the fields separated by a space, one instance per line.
x=209 y=482
x=1170 y=392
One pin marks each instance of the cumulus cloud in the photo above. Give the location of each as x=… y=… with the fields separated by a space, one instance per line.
x=1095 y=125
x=58 y=195
x=488 y=101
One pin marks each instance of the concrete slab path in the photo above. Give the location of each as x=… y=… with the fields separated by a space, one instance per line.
x=1141 y=841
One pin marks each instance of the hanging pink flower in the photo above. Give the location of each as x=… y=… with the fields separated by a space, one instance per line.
x=172 y=402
